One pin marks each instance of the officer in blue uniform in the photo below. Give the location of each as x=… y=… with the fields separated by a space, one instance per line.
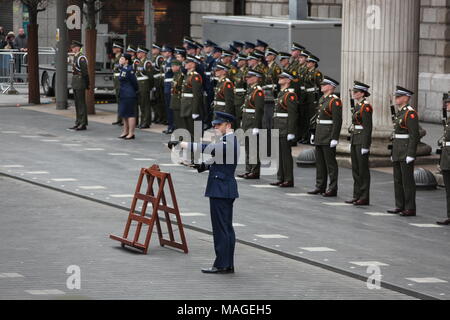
x=168 y=79
x=221 y=189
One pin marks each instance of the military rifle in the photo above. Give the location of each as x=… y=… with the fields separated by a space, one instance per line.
x=394 y=118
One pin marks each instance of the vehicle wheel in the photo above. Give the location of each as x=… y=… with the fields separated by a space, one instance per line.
x=46 y=85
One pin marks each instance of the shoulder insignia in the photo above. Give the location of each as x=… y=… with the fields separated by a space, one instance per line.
x=292 y=97
x=318 y=74
x=413 y=115
x=229 y=85
x=338 y=103
x=197 y=78
x=234 y=71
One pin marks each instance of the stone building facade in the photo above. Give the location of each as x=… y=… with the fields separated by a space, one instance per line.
x=434 y=63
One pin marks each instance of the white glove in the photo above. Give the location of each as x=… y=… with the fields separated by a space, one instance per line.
x=334 y=143
x=392 y=159
x=364 y=151
x=409 y=160
x=255 y=131
x=290 y=137
x=195 y=116
x=312 y=139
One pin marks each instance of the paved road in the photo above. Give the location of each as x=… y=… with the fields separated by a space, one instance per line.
x=412 y=253
x=50 y=231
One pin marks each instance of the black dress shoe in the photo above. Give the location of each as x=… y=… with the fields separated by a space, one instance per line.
x=73 y=128
x=330 y=194
x=362 y=203
x=122 y=137
x=144 y=127
x=444 y=223
x=129 y=138
x=242 y=175
x=276 y=184
x=408 y=213
x=252 y=176
x=218 y=270
x=82 y=128
x=316 y=192
x=289 y=184
x=395 y=211
x=351 y=201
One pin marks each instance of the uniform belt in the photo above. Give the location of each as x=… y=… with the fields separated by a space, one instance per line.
x=359 y=127
x=187 y=95
x=249 y=110
x=220 y=103
x=311 y=90
x=142 y=78
x=280 y=115
x=325 y=121
x=116 y=74
x=156 y=76
x=303 y=88
x=401 y=136
x=269 y=86
x=168 y=80
x=239 y=90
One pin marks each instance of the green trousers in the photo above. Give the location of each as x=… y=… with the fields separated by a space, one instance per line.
x=446 y=176
x=80 y=107
x=144 y=105
x=286 y=162
x=404 y=185
x=326 y=166
x=361 y=174
x=252 y=164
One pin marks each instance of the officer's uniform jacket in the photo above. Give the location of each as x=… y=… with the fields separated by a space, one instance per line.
x=177 y=88
x=445 y=145
x=224 y=96
x=240 y=86
x=144 y=74
x=232 y=73
x=302 y=72
x=361 y=130
x=221 y=180
x=80 y=77
x=406 y=134
x=285 y=116
x=272 y=74
x=260 y=67
x=168 y=75
x=191 y=95
x=253 y=108
x=158 y=65
x=329 y=120
x=128 y=82
x=116 y=70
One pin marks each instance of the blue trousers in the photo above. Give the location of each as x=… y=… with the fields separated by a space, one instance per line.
x=169 y=111
x=223 y=231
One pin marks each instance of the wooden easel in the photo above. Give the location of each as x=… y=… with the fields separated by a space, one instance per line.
x=158 y=203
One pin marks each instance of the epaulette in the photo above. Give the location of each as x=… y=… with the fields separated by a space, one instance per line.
x=334 y=96
x=291 y=90
x=258 y=88
x=410 y=108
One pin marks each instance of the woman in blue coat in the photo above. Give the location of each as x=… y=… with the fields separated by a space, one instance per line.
x=128 y=96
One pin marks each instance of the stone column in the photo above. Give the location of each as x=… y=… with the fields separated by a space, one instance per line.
x=380 y=47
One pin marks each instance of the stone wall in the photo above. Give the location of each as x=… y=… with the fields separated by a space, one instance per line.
x=201 y=8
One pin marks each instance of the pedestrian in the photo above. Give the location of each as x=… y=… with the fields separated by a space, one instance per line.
x=285 y=121
x=252 y=119
x=445 y=162
x=117 y=49
x=406 y=137
x=80 y=83
x=221 y=189
x=20 y=42
x=326 y=138
x=128 y=96
x=361 y=140
x=2 y=37
x=9 y=41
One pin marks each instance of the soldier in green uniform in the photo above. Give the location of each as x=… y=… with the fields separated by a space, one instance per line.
x=406 y=137
x=284 y=60
x=361 y=140
x=285 y=120
x=296 y=50
x=254 y=62
x=157 y=97
x=303 y=131
x=177 y=87
x=240 y=88
x=252 y=119
x=312 y=80
x=273 y=71
x=224 y=91
x=117 y=51
x=144 y=75
x=191 y=96
x=326 y=139
x=445 y=162
x=80 y=83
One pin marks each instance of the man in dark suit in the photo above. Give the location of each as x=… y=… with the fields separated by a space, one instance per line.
x=221 y=188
